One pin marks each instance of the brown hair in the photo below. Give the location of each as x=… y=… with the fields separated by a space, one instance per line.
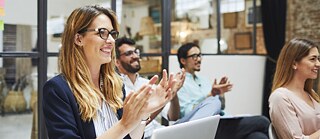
x=293 y=51
x=74 y=68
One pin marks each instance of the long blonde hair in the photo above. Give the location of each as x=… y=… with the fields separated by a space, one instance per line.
x=293 y=51
x=74 y=68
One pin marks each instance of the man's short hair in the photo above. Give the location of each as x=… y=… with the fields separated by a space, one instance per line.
x=120 y=42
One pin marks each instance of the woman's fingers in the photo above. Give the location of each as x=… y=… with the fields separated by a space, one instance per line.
x=127 y=98
x=169 y=96
x=154 y=79
x=143 y=92
x=171 y=81
x=135 y=104
x=141 y=98
x=164 y=79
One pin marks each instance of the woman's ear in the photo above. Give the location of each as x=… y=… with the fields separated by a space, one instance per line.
x=78 y=39
x=294 y=65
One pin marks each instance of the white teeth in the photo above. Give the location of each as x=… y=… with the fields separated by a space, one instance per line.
x=105 y=49
x=316 y=71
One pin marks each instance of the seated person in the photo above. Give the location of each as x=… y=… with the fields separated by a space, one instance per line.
x=128 y=64
x=198 y=99
x=294 y=105
x=86 y=100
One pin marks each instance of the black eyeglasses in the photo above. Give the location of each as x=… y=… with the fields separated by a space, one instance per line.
x=195 y=56
x=103 y=32
x=130 y=52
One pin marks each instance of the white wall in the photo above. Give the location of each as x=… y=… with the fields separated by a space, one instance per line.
x=246 y=72
x=25 y=11
x=20 y=12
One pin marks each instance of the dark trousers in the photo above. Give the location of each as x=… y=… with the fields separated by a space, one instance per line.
x=252 y=127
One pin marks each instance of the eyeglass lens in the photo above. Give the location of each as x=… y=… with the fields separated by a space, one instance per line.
x=129 y=53
x=104 y=33
x=195 y=56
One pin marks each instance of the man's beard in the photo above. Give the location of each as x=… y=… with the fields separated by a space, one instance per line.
x=129 y=68
x=198 y=69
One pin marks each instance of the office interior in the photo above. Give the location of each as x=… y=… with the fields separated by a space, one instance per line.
x=240 y=39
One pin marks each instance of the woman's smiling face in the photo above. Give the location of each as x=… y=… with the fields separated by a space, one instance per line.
x=97 y=50
x=308 y=66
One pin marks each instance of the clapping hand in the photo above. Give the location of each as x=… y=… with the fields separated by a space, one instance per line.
x=179 y=77
x=133 y=105
x=162 y=93
x=138 y=105
x=221 y=88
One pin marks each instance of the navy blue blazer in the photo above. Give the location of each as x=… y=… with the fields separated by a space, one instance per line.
x=61 y=112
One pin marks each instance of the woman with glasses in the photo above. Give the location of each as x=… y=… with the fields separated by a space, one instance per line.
x=87 y=99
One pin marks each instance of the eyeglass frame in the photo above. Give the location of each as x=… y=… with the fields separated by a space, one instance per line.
x=130 y=52
x=195 y=56
x=99 y=30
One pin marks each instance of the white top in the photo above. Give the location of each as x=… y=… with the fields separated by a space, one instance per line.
x=129 y=86
x=105 y=119
x=291 y=116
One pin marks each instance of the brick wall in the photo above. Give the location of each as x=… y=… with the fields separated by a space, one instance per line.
x=303 y=19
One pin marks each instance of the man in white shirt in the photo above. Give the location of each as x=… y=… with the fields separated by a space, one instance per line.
x=128 y=64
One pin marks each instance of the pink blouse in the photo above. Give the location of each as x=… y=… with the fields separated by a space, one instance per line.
x=291 y=116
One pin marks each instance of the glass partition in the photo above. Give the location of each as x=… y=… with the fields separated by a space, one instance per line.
x=141 y=21
x=18 y=96
x=197 y=21
x=18 y=83
x=58 y=12
x=237 y=28
x=16 y=33
x=192 y=21
x=18 y=37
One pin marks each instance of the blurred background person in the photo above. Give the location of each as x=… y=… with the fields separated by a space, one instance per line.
x=128 y=64
x=199 y=99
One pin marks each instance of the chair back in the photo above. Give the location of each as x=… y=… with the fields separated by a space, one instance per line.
x=272 y=132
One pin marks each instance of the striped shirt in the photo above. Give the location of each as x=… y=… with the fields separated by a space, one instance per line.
x=129 y=86
x=105 y=119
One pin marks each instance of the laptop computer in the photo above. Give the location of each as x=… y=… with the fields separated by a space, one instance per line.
x=204 y=128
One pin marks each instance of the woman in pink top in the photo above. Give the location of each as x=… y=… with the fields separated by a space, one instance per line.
x=294 y=105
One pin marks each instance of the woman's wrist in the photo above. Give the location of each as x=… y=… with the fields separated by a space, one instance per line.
x=145 y=120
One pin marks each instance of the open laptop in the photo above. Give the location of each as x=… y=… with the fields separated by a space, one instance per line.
x=204 y=128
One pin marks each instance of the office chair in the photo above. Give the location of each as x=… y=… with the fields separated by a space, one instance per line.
x=272 y=132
